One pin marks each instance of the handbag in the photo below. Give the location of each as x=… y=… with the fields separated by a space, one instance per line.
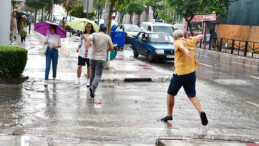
x=25 y=29
x=45 y=47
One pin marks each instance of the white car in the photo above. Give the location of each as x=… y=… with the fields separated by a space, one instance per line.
x=157 y=27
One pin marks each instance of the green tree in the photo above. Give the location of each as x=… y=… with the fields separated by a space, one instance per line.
x=78 y=11
x=136 y=7
x=167 y=13
x=68 y=4
x=155 y=5
x=35 y=4
x=113 y=4
x=187 y=9
x=221 y=8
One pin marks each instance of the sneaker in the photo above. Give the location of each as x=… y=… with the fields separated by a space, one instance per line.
x=204 y=119
x=92 y=90
x=165 y=119
x=88 y=82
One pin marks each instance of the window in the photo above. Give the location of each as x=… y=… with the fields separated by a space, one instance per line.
x=166 y=29
x=160 y=38
x=196 y=26
x=149 y=28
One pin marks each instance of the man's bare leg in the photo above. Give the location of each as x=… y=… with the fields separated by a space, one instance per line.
x=170 y=104
x=79 y=71
x=88 y=72
x=196 y=102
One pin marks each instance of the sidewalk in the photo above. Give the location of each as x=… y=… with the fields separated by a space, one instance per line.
x=123 y=68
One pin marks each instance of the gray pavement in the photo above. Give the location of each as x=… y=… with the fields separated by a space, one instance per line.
x=128 y=113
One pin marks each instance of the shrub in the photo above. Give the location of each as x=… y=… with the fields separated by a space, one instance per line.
x=12 y=61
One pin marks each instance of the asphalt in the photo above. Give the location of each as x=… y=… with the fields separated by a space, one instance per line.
x=123 y=113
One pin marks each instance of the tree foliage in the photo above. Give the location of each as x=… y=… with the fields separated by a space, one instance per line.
x=78 y=11
x=187 y=9
x=155 y=5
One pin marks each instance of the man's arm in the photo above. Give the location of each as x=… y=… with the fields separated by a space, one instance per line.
x=88 y=43
x=185 y=50
x=199 y=37
x=110 y=47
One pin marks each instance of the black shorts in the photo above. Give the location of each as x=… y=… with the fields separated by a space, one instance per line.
x=187 y=81
x=82 y=61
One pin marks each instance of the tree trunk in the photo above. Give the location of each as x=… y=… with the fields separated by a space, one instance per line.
x=65 y=20
x=122 y=15
x=189 y=23
x=110 y=18
x=131 y=18
x=42 y=14
x=35 y=17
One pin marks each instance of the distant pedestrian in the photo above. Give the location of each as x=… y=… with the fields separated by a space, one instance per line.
x=19 y=20
x=29 y=21
x=184 y=75
x=23 y=28
x=82 y=60
x=101 y=43
x=13 y=27
x=54 y=42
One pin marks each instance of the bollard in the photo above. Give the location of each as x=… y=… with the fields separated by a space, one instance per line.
x=233 y=46
x=210 y=44
x=220 y=46
x=246 y=48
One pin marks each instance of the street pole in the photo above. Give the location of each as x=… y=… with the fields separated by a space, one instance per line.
x=106 y=20
x=52 y=18
x=87 y=9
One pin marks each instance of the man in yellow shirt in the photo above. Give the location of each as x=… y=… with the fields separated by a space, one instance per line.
x=184 y=75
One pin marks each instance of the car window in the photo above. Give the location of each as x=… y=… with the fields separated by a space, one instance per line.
x=140 y=36
x=167 y=29
x=149 y=28
x=132 y=28
x=160 y=38
x=143 y=37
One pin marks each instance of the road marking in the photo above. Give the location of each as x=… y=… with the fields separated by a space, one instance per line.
x=249 y=102
x=254 y=77
x=206 y=65
x=224 y=93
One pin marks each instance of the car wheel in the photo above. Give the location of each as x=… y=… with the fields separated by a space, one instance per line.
x=150 y=57
x=135 y=53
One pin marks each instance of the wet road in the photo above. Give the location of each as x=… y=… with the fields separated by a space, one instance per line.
x=129 y=113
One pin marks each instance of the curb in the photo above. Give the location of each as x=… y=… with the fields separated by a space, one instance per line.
x=131 y=80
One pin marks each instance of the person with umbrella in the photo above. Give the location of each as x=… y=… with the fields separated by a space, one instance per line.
x=82 y=60
x=54 y=42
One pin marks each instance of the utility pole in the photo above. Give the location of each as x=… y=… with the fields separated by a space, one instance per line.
x=106 y=20
x=87 y=9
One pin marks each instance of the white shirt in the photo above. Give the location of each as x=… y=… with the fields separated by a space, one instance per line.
x=53 y=40
x=82 y=49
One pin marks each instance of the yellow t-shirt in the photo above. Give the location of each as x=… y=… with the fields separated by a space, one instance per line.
x=184 y=65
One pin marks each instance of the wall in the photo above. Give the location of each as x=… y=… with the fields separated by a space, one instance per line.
x=243 y=12
x=5 y=11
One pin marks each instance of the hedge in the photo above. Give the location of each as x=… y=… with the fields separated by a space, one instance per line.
x=12 y=61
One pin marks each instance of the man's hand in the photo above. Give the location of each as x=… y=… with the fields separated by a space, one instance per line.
x=45 y=42
x=185 y=51
x=86 y=54
x=188 y=54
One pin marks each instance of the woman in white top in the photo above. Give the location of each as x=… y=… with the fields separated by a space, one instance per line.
x=82 y=60
x=54 y=42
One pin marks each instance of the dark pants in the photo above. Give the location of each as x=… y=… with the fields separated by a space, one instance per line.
x=51 y=54
x=29 y=24
x=22 y=39
x=97 y=67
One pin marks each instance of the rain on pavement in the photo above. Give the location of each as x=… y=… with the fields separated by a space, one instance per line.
x=128 y=113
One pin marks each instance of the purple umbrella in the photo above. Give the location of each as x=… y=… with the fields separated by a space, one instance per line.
x=44 y=29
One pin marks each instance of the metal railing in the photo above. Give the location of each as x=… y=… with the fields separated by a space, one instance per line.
x=237 y=47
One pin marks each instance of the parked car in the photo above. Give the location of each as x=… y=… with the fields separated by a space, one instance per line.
x=153 y=45
x=131 y=31
x=157 y=27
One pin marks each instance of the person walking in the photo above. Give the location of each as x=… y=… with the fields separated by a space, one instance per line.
x=23 y=28
x=13 y=27
x=184 y=75
x=54 y=42
x=101 y=43
x=82 y=60
x=29 y=21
